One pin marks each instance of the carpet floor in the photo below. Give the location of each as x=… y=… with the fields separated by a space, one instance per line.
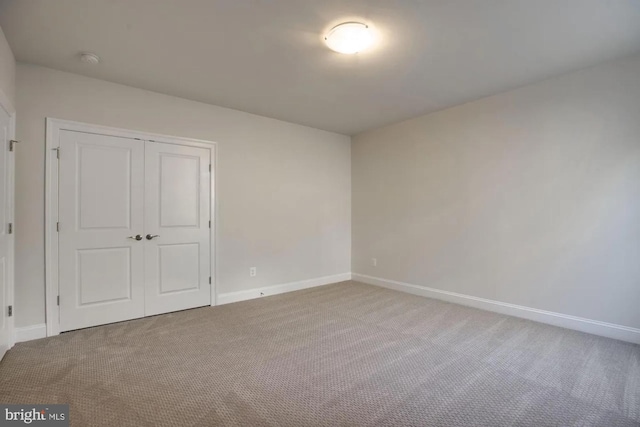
x=344 y=354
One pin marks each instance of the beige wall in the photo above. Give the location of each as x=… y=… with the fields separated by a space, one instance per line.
x=7 y=70
x=530 y=197
x=284 y=191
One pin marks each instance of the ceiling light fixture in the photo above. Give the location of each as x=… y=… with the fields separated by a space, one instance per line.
x=89 y=58
x=349 y=37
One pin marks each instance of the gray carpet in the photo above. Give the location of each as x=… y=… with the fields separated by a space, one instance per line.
x=343 y=354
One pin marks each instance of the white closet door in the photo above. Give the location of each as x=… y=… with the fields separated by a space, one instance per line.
x=177 y=200
x=101 y=196
x=5 y=238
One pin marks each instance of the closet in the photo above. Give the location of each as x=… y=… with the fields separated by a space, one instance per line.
x=133 y=225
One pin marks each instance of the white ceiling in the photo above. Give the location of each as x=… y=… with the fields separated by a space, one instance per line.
x=267 y=57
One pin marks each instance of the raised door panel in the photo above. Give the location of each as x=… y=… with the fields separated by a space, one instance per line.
x=101 y=196
x=179 y=267
x=179 y=190
x=104 y=275
x=104 y=187
x=177 y=195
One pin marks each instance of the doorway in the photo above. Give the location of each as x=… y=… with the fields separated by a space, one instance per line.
x=7 y=173
x=133 y=232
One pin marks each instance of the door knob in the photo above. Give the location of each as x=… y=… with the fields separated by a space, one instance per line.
x=136 y=237
x=151 y=236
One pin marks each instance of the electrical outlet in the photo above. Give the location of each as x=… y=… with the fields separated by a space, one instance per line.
x=374 y=262
x=252 y=272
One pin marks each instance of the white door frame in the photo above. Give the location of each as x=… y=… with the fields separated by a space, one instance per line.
x=53 y=128
x=5 y=104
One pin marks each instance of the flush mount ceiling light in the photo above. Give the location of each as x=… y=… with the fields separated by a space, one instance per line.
x=89 y=58
x=349 y=37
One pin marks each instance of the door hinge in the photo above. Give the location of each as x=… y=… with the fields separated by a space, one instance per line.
x=209 y=279
x=209 y=223
x=58 y=227
x=10 y=311
x=58 y=300
x=209 y=167
x=10 y=228
x=12 y=144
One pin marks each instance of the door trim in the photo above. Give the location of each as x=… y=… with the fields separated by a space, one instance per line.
x=53 y=128
x=6 y=105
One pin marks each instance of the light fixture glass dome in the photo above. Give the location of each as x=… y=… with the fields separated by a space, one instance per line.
x=349 y=37
x=89 y=58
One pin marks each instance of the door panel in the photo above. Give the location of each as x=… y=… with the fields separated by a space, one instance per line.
x=177 y=199
x=5 y=237
x=103 y=275
x=179 y=190
x=104 y=203
x=179 y=267
x=101 y=196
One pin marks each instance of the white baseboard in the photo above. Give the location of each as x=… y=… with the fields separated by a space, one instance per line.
x=28 y=333
x=609 y=330
x=230 y=297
